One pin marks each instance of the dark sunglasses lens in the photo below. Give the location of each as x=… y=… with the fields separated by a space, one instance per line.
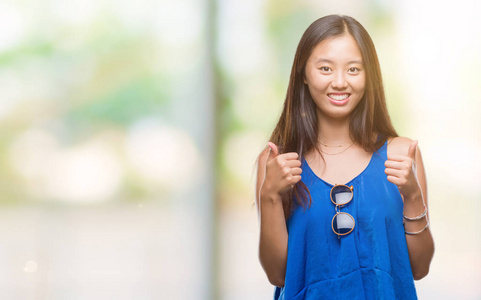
x=341 y=194
x=342 y=223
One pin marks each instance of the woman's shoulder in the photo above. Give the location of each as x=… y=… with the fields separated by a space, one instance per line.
x=398 y=145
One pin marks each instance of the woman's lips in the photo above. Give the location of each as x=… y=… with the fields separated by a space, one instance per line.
x=339 y=98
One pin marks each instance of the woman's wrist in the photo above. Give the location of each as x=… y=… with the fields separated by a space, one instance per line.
x=271 y=197
x=412 y=198
x=414 y=207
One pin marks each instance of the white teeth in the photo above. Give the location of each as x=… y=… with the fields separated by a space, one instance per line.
x=338 y=97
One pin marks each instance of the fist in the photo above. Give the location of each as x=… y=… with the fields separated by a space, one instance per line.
x=283 y=171
x=401 y=170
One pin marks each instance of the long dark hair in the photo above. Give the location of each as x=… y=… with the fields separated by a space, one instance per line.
x=297 y=128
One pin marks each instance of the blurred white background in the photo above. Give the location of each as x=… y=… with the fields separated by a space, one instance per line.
x=129 y=132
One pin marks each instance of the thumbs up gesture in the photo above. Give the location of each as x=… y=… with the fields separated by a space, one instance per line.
x=282 y=171
x=401 y=170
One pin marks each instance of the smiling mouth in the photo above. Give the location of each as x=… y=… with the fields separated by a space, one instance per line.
x=339 y=97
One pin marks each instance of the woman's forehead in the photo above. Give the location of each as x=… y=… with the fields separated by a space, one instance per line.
x=338 y=49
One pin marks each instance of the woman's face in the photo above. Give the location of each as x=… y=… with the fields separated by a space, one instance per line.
x=335 y=76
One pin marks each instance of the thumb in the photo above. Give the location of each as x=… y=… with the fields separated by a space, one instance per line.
x=274 y=152
x=412 y=149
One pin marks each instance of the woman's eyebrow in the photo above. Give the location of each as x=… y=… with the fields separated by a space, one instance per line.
x=326 y=60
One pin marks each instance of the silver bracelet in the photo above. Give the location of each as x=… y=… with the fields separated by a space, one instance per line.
x=418 y=217
x=417 y=232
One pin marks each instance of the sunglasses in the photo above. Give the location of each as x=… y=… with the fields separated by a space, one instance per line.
x=342 y=223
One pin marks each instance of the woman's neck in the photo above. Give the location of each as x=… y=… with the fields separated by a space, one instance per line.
x=334 y=131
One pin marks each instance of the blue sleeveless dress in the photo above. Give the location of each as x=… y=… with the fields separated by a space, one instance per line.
x=371 y=262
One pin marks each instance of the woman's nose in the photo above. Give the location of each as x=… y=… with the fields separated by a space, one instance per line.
x=339 y=81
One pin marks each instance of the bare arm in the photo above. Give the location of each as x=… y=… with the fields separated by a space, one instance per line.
x=413 y=188
x=280 y=172
x=420 y=246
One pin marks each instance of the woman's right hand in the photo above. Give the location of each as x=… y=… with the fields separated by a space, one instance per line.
x=282 y=172
x=275 y=174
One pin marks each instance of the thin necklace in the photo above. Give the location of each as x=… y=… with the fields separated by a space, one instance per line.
x=337 y=152
x=337 y=146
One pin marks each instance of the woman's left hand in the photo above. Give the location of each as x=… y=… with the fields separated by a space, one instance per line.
x=401 y=170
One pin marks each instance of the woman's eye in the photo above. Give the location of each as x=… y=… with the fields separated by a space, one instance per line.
x=353 y=70
x=325 y=69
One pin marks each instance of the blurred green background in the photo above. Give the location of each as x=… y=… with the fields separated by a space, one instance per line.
x=129 y=133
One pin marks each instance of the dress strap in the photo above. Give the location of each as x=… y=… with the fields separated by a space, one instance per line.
x=383 y=150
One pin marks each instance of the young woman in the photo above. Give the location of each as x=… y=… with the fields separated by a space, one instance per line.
x=341 y=198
